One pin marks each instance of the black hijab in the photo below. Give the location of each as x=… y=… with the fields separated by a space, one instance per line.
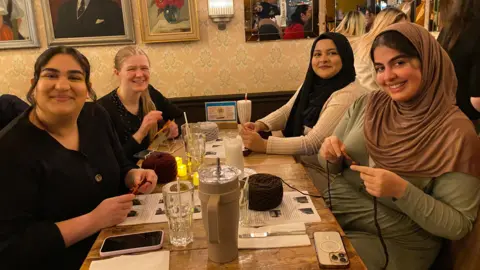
x=316 y=91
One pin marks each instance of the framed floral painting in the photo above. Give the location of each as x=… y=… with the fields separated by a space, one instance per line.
x=169 y=20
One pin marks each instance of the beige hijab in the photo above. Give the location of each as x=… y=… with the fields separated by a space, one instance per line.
x=427 y=136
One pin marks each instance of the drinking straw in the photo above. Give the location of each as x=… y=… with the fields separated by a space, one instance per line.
x=187 y=130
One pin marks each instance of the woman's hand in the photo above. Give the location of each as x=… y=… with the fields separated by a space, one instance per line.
x=380 y=182
x=332 y=150
x=173 y=130
x=149 y=121
x=112 y=211
x=257 y=126
x=135 y=177
x=253 y=141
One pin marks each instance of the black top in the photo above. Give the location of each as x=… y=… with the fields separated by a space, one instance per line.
x=316 y=91
x=10 y=107
x=101 y=18
x=126 y=124
x=43 y=183
x=465 y=56
x=268 y=11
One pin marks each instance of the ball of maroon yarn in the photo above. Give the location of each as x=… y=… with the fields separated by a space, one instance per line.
x=164 y=165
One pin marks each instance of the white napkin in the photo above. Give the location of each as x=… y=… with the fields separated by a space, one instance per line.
x=157 y=260
x=274 y=241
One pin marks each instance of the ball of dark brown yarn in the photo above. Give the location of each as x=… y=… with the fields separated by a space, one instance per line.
x=164 y=165
x=265 y=192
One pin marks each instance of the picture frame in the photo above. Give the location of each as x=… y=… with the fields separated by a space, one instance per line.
x=18 y=30
x=66 y=23
x=169 y=21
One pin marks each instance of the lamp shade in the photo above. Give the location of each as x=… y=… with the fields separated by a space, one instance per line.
x=220 y=11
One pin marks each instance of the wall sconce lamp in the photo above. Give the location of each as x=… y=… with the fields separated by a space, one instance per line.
x=221 y=12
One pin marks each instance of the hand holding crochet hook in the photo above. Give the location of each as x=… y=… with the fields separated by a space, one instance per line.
x=378 y=182
x=333 y=150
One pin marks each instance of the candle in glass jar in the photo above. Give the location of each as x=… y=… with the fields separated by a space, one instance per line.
x=196 y=179
x=182 y=171
x=179 y=161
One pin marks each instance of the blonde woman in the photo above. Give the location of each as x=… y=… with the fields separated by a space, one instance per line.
x=352 y=25
x=136 y=107
x=363 y=64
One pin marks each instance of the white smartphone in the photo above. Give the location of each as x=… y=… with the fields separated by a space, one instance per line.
x=330 y=250
x=131 y=243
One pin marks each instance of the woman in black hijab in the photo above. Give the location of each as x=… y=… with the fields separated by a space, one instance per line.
x=314 y=111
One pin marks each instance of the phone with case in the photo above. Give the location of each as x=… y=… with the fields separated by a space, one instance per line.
x=131 y=243
x=330 y=250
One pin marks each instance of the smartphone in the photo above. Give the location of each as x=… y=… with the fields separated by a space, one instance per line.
x=330 y=250
x=130 y=243
x=142 y=154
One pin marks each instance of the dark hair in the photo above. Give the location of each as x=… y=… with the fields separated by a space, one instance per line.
x=456 y=19
x=312 y=28
x=297 y=15
x=373 y=10
x=268 y=32
x=396 y=41
x=47 y=55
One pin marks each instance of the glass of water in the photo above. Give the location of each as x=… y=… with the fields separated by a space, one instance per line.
x=179 y=206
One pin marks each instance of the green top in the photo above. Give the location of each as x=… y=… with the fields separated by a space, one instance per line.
x=412 y=226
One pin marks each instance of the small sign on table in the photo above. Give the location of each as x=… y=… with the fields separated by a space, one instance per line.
x=224 y=111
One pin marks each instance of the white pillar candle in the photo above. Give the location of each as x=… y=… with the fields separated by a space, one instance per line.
x=233 y=153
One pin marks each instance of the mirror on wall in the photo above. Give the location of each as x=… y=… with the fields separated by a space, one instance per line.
x=354 y=18
x=267 y=20
x=417 y=10
x=350 y=13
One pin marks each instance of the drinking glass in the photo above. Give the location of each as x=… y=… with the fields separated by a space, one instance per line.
x=195 y=151
x=244 y=108
x=179 y=206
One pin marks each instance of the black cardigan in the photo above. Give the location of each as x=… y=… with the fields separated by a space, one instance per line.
x=44 y=183
x=126 y=124
x=10 y=107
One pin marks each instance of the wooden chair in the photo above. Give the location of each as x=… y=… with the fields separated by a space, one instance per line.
x=462 y=254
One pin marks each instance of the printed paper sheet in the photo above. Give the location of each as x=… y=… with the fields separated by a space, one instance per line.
x=151 y=209
x=295 y=207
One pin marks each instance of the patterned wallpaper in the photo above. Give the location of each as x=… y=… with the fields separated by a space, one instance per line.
x=220 y=63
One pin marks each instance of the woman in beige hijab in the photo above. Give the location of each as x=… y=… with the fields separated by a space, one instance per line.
x=417 y=175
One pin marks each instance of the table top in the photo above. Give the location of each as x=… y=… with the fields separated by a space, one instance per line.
x=177 y=149
x=195 y=255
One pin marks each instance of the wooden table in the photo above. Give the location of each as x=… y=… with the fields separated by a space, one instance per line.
x=195 y=255
x=176 y=148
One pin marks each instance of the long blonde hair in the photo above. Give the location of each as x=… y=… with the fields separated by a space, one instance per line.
x=385 y=18
x=353 y=24
x=145 y=99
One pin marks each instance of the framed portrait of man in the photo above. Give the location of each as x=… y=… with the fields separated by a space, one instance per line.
x=169 y=20
x=17 y=25
x=88 y=22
